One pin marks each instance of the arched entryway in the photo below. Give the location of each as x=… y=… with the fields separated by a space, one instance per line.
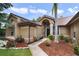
x=46 y=25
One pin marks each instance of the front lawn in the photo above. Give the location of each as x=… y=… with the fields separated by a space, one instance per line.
x=15 y=52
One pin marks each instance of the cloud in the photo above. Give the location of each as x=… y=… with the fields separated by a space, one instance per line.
x=73 y=10
x=29 y=10
x=50 y=13
x=19 y=10
x=60 y=12
x=41 y=11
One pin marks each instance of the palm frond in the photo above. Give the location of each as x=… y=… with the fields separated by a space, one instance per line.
x=54 y=9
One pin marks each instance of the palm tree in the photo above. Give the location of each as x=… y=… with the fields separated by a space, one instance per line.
x=54 y=12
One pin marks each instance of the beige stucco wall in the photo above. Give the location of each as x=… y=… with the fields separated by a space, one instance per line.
x=34 y=32
x=64 y=30
x=8 y=32
x=24 y=30
x=40 y=31
x=13 y=23
x=75 y=28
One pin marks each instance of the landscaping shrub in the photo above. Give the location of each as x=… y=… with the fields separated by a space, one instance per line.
x=47 y=42
x=2 y=32
x=19 y=39
x=76 y=50
x=10 y=44
x=34 y=39
x=51 y=37
x=61 y=37
x=66 y=39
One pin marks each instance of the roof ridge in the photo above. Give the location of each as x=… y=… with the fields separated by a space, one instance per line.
x=20 y=17
x=65 y=17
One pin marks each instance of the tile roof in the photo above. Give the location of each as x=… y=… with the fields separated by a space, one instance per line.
x=60 y=21
x=64 y=20
x=46 y=16
x=24 y=19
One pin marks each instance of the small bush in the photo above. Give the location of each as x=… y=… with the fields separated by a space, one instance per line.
x=51 y=37
x=66 y=39
x=19 y=39
x=10 y=44
x=47 y=42
x=61 y=37
x=76 y=50
x=34 y=39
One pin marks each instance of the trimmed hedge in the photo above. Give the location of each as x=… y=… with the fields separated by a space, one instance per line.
x=76 y=50
x=51 y=37
x=61 y=37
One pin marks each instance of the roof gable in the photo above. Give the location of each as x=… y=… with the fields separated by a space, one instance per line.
x=74 y=18
x=48 y=17
x=63 y=20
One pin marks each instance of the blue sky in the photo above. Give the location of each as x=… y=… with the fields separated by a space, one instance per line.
x=35 y=10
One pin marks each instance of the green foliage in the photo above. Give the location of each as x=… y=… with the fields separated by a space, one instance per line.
x=2 y=32
x=3 y=16
x=34 y=20
x=61 y=37
x=54 y=9
x=4 y=6
x=10 y=44
x=51 y=37
x=38 y=19
x=76 y=50
x=15 y=52
x=47 y=42
x=66 y=39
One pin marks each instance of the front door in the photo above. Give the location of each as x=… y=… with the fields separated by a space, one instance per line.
x=48 y=31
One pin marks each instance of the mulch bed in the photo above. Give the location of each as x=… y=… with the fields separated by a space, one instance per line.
x=58 y=49
x=21 y=45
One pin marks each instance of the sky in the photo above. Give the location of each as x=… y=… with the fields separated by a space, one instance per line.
x=35 y=10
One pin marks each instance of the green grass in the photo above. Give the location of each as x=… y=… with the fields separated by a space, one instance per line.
x=15 y=52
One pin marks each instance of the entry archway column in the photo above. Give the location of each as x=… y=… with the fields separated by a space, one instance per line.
x=51 y=29
x=15 y=30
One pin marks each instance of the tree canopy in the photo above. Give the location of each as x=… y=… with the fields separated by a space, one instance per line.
x=4 y=6
x=3 y=16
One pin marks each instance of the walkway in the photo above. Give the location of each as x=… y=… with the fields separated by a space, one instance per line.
x=36 y=50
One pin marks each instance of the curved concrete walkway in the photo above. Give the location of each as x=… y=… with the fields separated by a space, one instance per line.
x=36 y=50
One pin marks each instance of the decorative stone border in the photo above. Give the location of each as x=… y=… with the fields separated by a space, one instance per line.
x=14 y=48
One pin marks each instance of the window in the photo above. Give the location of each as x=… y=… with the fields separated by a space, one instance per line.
x=74 y=34
x=58 y=30
x=11 y=20
x=53 y=29
x=12 y=33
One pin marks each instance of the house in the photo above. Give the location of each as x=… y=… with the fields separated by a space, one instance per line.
x=68 y=26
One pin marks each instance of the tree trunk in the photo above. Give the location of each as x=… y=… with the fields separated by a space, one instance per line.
x=56 y=31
